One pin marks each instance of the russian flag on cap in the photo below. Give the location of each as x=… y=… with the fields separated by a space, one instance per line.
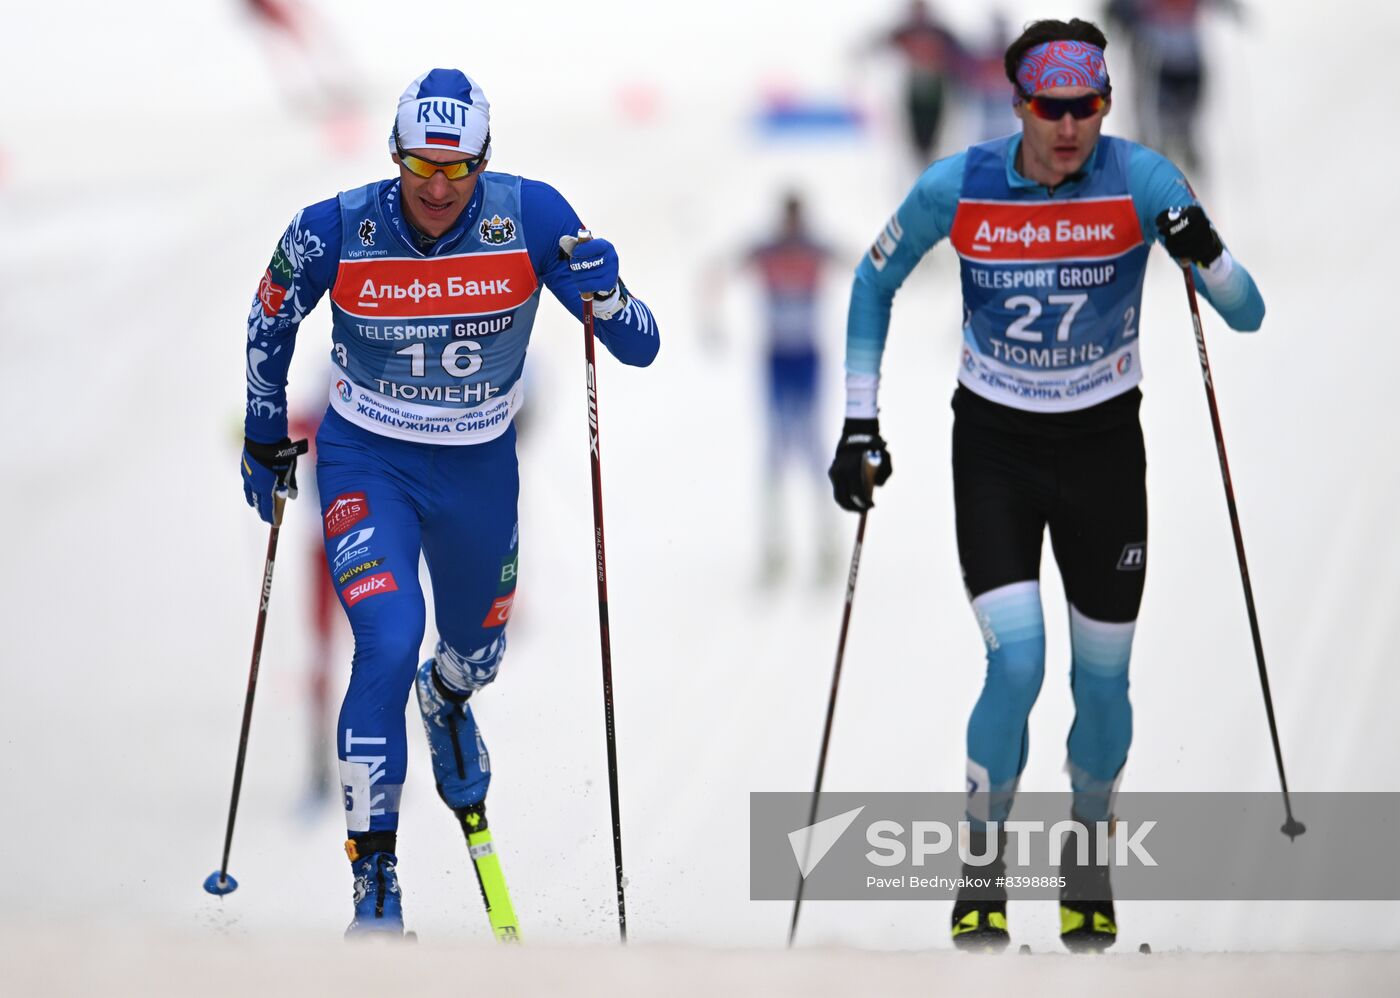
x=443 y=109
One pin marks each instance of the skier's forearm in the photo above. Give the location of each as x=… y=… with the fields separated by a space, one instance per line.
x=1231 y=291
x=924 y=218
x=632 y=335
x=302 y=267
x=867 y=326
x=269 y=357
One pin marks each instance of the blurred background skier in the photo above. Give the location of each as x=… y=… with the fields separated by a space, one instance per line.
x=983 y=79
x=1169 y=72
x=311 y=68
x=932 y=56
x=791 y=267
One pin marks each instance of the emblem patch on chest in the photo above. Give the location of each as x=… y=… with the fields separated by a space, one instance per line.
x=497 y=230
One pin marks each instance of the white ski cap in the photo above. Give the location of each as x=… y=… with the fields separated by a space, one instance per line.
x=443 y=109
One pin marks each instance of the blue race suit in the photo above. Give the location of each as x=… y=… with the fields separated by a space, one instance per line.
x=417 y=450
x=790 y=270
x=1046 y=431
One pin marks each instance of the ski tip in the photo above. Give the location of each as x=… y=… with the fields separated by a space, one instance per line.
x=1144 y=948
x=1025 y=950
x=220 y=884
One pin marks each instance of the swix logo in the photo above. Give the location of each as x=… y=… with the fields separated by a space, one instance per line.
x=592 y=413
x=344 y=512
x=267 y=588
x=372 y=585
x=1201 y=350
x=1046 y=230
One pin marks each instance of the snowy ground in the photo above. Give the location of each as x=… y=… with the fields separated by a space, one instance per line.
x=144 y=179
x=297 y=965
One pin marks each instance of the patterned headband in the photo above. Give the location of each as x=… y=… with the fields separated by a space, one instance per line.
x=1062 y=64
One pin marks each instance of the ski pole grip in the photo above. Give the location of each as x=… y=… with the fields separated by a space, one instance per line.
x=583 y=236
x=279 y=496
x=867 y=470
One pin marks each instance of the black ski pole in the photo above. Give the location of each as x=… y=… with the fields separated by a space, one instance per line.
x=1292 y=827
x=872 y=462
x=219 y=882
x=601 y=564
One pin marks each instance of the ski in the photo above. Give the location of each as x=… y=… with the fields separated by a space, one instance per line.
x=489 y=877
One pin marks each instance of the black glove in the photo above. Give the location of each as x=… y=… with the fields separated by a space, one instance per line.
x=267 y=469
x=860 y=445
x=1188 y=235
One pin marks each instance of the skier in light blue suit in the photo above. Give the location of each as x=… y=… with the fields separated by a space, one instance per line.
x=434 y=279
x=1052 y=227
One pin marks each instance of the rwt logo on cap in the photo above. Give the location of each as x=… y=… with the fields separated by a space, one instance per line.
x=447 y=112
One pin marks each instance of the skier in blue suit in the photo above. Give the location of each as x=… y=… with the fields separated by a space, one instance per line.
x=434 y=278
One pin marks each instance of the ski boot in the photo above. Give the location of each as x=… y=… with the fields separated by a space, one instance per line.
x=979 y=913
x=378 y=901
x=1087 y=922
x=461 y=766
